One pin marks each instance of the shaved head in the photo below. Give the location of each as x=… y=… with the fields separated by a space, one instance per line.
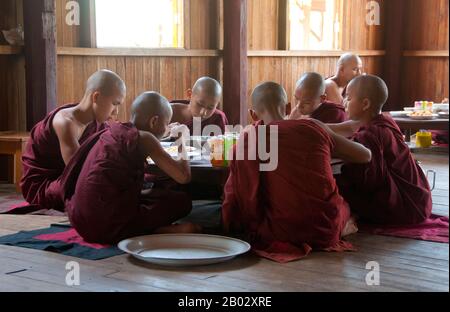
x=372 y=88
x=208 y=87
x=348 y=58
x=150 y=104
x=312 y=82
x=269 y=96
x=106 y=82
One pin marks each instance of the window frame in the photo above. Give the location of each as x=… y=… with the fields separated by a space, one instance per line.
x=89 y=33
x=285 y=27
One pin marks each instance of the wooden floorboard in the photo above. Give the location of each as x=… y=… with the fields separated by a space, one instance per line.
x=405 y=265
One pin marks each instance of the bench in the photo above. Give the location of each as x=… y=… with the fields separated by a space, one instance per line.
x=13 y=143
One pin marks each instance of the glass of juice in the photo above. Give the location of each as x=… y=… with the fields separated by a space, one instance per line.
x=216 y=146
x=424 y=139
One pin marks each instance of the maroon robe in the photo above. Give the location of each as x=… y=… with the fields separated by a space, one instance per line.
x=218 y=119
x=298 y=203
x=102 y=187
x=392 y=189
x=330 y=113
x=43 y=163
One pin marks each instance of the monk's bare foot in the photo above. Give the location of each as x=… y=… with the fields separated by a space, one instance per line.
x=185 y=228
x=350 y=228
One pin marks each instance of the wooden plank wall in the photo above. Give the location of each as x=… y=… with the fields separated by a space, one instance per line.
x=12 y=73
x=425 y=77
x=426 y=30
x=171 y=76
x=12 y=82
x=263 y=30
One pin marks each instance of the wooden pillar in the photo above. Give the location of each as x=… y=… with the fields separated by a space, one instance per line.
x=394 y=36
x=235 y=61
x=283 y=25
x=40 y=58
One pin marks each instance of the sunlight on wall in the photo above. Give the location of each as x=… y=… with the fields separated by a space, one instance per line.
x=139 y=23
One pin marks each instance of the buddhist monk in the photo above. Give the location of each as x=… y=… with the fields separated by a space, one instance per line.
x=298 y=203
x=311 y=101
x=102 y=185
x=56 y=139
x=204 y=98
x=349 y=66
x=392 y=189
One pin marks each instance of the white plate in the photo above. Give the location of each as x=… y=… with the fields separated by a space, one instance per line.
x=184 y=249
x=399 y=114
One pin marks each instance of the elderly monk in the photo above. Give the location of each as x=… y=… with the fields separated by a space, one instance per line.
x=392 y=189
x=103 y=184
x=297 y=203
x=311 y=101
x=203 y=100
x=57 y=138
x=349 y=66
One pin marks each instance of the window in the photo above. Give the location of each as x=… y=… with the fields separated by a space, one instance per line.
x=139 y=23
x=314 y=24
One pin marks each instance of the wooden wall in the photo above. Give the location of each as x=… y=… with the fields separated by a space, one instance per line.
x=426 y=77
x=12 y=72
x=287 y=67
x=12 y=80
x=170 y=75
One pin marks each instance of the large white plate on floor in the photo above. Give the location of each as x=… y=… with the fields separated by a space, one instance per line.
x=178 y=250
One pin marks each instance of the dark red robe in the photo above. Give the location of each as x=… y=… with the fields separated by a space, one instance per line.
x=102 y=187
x=330 y=113
x=298 y=203
x=392 y=189
x=43 y=163
x=218 y=119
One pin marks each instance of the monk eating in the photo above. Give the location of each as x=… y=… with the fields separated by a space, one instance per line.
x=392 y=189
x=103 y=184
x=349 y=66
x=56 y=139
x=298 y=203
x=202 y=105
x=311 y=101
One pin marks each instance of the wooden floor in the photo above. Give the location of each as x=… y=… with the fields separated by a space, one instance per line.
x=406 y=265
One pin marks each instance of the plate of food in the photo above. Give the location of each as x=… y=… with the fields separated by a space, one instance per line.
x=423 y=115
x=181 y=250
x=172 y=150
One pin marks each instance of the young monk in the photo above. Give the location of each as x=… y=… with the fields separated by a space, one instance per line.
x=349 y=66
x=311 y=100
x=56 y=139
x=203 y=100
x=298 y=203
x=392 y=189
x=103 y=183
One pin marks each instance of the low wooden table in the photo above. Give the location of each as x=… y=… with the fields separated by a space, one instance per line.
x=411 y=126
x=13 y=143
x=203 y=172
